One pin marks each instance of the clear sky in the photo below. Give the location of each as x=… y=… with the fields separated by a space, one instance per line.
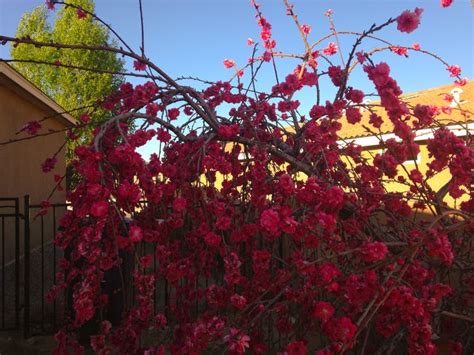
x=192 y=37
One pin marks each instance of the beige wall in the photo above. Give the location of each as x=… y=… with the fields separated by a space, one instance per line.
x=20 y=163
x=20 y=170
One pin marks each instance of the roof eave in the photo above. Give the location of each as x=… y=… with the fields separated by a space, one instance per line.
x=31 y=90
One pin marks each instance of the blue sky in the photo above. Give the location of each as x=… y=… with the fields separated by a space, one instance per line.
x=192 y=37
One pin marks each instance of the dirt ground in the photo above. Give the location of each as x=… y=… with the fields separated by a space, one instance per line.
x=13 y=343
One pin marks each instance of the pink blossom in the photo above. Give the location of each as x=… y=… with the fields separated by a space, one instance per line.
x=306 y=29
x=331 y=49
x=99 y=209
x=454 y=70
x=399 y=50
x=229 y=63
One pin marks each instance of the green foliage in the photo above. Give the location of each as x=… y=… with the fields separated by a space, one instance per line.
x=71 y=89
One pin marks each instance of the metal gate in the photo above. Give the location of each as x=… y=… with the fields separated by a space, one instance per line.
x=10 y=263
x=28 y=260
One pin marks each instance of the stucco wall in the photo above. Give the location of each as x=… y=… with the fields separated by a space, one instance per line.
x=20 y=170
x=20 y=163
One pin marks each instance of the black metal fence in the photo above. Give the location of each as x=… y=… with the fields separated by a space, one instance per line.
x=28 y=259
x=29 y=266
x=41 y=265
x=10 y=262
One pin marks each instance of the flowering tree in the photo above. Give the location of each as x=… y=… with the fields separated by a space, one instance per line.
x=255 y=227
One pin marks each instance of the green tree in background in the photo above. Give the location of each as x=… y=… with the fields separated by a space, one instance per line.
x=71 y=89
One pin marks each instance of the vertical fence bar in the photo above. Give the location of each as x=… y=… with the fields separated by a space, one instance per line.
x=3 y=272
x=17 y=263
x=54 y=265
x=26 y=286
x=42 y=273
x=155 y=293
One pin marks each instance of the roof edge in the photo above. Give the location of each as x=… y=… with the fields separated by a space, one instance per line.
x=26 y=85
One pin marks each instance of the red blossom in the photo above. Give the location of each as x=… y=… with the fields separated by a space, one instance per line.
x=340 y=329
x=49 y=164
x=238 y=301
x=135 y=234
x=138 y=65
x=179 y=204
x=99 y=209
x=356 y=96
x=163 y=135
x=50 y=4
x=373 y=251
x=269 y=220
x=408 y=21
x=81 y=14
x=353 y=115
x=85 y=118
x=297 y=348
x=173 y=113
x=323 y=311
x=237 y=341
x=228 y=131
x=360 y=57
x=336 y=74
x=446 y=3
x=212 y=239
x=32 y=127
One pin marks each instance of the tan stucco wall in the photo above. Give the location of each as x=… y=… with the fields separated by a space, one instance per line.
x=20 y=172
x=20 y=162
